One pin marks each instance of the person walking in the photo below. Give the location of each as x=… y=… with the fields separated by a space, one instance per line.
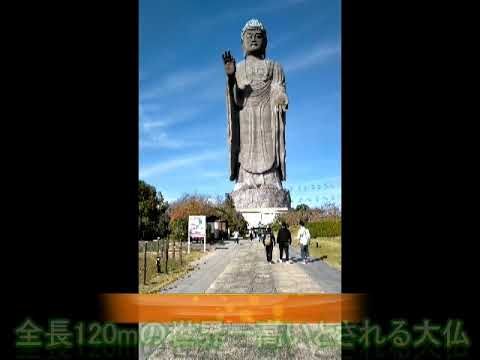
x=269 y=243
x=236 y=236
x=284 y=239
x=304 y=238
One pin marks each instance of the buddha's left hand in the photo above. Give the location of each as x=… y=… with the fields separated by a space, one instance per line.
x=281 y=101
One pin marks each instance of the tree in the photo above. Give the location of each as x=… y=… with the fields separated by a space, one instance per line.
x=152 y=212
x=191 y=205
x=330 y=209
x=163 y=218
x=179 y=232
x=188 y=205
x=235 y=219
x=302 y=207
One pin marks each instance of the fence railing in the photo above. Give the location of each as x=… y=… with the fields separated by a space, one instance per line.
x=159 y=256
x=162 y=256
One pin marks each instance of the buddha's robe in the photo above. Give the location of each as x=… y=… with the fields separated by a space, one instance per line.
x=256 y=125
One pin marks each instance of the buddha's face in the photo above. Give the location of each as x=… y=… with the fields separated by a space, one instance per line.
x=254 y=41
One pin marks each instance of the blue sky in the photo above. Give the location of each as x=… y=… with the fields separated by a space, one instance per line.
x=183 y=123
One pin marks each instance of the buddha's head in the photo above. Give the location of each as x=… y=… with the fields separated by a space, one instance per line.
x=254 y=38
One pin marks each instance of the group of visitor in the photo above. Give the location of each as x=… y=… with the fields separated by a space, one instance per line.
x=284 y=241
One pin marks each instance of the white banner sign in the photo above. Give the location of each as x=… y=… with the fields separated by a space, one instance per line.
x=197 y=228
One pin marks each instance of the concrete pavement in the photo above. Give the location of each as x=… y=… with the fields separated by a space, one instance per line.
x=243 y=268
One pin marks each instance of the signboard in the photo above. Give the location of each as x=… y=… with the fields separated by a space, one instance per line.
x=197 y=228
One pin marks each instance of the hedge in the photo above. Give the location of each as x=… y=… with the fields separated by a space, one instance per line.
x=325 y=228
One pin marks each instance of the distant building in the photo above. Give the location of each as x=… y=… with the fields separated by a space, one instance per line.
x=217 y=227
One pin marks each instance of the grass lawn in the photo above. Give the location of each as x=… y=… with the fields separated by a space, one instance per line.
x=156 y=281
x=331 y=247
x=243 y=341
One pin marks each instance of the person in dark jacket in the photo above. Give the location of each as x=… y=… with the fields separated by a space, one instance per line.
x=284 y=239
x=269 y=243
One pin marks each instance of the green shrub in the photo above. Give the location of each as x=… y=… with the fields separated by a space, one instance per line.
x=325 y=228
x=276 y=226
x=179 y=229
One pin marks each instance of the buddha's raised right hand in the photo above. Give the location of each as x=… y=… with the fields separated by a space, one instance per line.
x=229 y=62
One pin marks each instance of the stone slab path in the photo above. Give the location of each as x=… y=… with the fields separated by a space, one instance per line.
x=242 y=268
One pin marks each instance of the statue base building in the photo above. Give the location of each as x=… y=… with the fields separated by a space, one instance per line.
x=263 y=197
x=260 y=206
x=261 y=217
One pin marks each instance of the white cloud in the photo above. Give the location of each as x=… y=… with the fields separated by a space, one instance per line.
x=215 y=174
x=275 y=42
x=314 y=56
x=180 y=80
x=147 y=108
x=163 y=140
x=248 y=13
x=154 y=124
x=155 y=120
x=180 y=162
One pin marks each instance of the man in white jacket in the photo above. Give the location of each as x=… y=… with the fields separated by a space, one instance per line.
x=304 y=238
x=235 y=236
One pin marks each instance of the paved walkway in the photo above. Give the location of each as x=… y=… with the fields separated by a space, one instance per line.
x=242 y=268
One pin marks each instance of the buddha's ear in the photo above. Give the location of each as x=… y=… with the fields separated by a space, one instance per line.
x=243 y=48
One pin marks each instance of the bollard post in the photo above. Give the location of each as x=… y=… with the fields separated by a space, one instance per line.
x=159 y=269
x=145 y=266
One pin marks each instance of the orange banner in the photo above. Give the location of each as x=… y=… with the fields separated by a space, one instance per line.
x=233 y=308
